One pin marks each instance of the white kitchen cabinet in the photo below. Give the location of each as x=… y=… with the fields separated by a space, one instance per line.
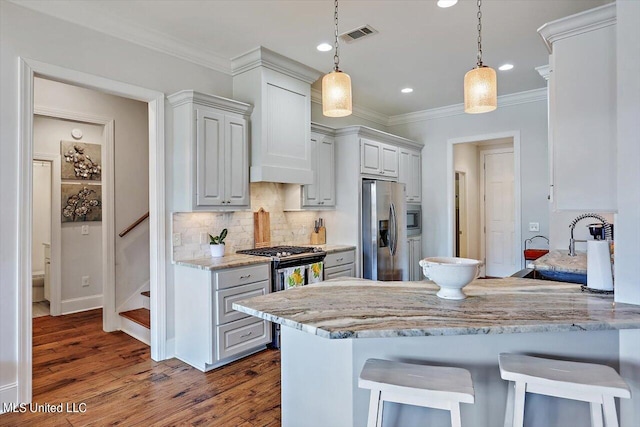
x=409 y=173
x=340 y=264
x=280 y=90
x=378 y=158
x=414 y=243
x=582 y=110
x=208 y=332
x=211 y=155
x=322 y=192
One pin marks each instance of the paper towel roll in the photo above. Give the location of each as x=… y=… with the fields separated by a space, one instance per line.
x=599 y=265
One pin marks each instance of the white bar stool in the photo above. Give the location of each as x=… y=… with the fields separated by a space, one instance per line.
x=428 y=386
x=587 y=382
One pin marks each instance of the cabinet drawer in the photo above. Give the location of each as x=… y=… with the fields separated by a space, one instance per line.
x=226 y=297
x=339 y=258
x=348 y=270
x=242 y=335
x=240 y=276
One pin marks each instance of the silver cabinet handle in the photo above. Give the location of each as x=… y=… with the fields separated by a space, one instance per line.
x=382 y=172
x=339 y=259
x=245 y=277
x=245 y=335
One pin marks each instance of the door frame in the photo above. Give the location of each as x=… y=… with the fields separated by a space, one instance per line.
x=157 y=242
x=450 y=185
x=483 y=205
x=462 y=212
x=108 y=262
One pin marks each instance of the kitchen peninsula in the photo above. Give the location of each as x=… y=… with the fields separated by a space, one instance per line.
x=323 y=345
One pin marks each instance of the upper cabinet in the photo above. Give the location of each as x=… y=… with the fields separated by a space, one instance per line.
x=280 y=91
x=409 y=173
x=211 y=152
x=322 y=192
x=378 y=158
x=582 y=110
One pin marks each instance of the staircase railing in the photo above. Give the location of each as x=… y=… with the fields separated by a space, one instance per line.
x=134 y=225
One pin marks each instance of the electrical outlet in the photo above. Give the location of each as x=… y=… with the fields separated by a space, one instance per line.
x=177 y=239
x=86 y=281
x=534 y=226
x=85 y=229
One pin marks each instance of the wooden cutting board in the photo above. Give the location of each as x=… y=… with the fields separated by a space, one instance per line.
x=261 y=229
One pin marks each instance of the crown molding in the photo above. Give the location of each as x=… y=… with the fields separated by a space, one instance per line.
x=263 y=57
x=579 y=23
x=544 y=71
x=214 y=101
x=378 y=135
x=358 y=111
x=509 y=100
x=94 y=18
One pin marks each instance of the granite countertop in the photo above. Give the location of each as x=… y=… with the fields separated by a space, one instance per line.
x=240 y=260
x=227 y=261
x=360 y=308
x=559 y=260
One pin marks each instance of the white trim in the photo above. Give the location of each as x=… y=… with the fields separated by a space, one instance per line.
x=358 y=111
x=135 y=300
x=580 y=23
x=55 y=272
x=75 y=305
x=135 y=330
x=544 y=71
x=380 y=136
x=155 y=99
x=263 y=57
x=8 y=394
x=515 y=134
x=509 y=100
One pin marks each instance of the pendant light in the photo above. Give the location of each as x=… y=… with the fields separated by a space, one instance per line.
x=480 y=84
x=336 y=85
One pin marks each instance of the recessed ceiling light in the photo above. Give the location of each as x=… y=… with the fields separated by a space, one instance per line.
x=446 y=3
x=505 y=67
x=407 y=90
x=324 y=47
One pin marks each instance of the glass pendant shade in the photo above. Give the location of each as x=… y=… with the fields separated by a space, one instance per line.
x=480 y=90
x=336 y=94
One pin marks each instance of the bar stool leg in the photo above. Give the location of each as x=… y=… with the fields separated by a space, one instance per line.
x=596 y=414
x=610 y=416
x=508 y=412
x=375 y=409
x=455 y=415
x=518 y=407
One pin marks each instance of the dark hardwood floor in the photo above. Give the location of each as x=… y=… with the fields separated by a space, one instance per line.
x=75 y=362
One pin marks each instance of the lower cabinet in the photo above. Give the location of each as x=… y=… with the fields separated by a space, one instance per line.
x=340 y=264
x=209 y=333
x=415 y=255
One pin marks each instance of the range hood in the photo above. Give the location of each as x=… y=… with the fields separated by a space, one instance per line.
x=280 y=90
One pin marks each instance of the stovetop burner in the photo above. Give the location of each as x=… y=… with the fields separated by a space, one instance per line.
x=280 y=251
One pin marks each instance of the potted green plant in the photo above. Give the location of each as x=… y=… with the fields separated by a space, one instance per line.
x=216 y=244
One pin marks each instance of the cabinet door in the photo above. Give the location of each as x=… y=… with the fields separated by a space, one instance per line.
x=236 y=162
x=404 y=172
x=370 y=157
x=389 y=160
x=311 y=192
x=209 y=158
x=416 y=256
x=325 y=172
x=348 y=270
x=414 y=184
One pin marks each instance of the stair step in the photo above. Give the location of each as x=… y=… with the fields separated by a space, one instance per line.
x=146 y=294
x=141 y=316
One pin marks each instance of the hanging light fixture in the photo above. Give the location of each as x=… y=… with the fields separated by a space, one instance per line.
x=336 y=85
x=480 y=84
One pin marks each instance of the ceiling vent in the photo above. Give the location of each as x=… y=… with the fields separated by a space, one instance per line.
x=358 y=34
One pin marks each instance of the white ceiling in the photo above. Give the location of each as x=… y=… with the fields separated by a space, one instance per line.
x=419 y=44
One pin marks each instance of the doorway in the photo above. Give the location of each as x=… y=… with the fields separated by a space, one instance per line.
x=155 y=105
x=468 y=201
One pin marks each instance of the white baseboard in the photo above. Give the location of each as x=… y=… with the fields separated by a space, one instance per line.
x=138 y=332
x=135 y=300
x=8 y=394
x=75 y=305
x=170 y=349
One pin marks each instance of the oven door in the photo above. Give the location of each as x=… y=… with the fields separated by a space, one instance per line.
x=290 y=277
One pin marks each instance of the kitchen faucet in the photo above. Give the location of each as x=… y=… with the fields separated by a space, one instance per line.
x=572 y=241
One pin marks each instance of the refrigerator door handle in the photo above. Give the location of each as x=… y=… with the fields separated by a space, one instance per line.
x=393 y=238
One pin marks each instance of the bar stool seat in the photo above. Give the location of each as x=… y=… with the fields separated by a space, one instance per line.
x=587 y=382
x=428 y=386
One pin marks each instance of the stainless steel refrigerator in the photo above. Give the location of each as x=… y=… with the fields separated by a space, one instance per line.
x=384 y=231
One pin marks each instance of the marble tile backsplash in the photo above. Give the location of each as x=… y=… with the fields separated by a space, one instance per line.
x=286 y=227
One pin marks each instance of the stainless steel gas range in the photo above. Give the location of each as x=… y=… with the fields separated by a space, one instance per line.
x=291 y=266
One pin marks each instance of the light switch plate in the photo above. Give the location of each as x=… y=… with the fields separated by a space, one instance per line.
x=85 y=229
x=534 y=226
x=177 y=239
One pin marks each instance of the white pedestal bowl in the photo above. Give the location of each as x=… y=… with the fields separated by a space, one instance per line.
x=451 y=274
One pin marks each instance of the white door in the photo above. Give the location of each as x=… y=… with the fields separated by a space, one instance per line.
x=499 y=221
